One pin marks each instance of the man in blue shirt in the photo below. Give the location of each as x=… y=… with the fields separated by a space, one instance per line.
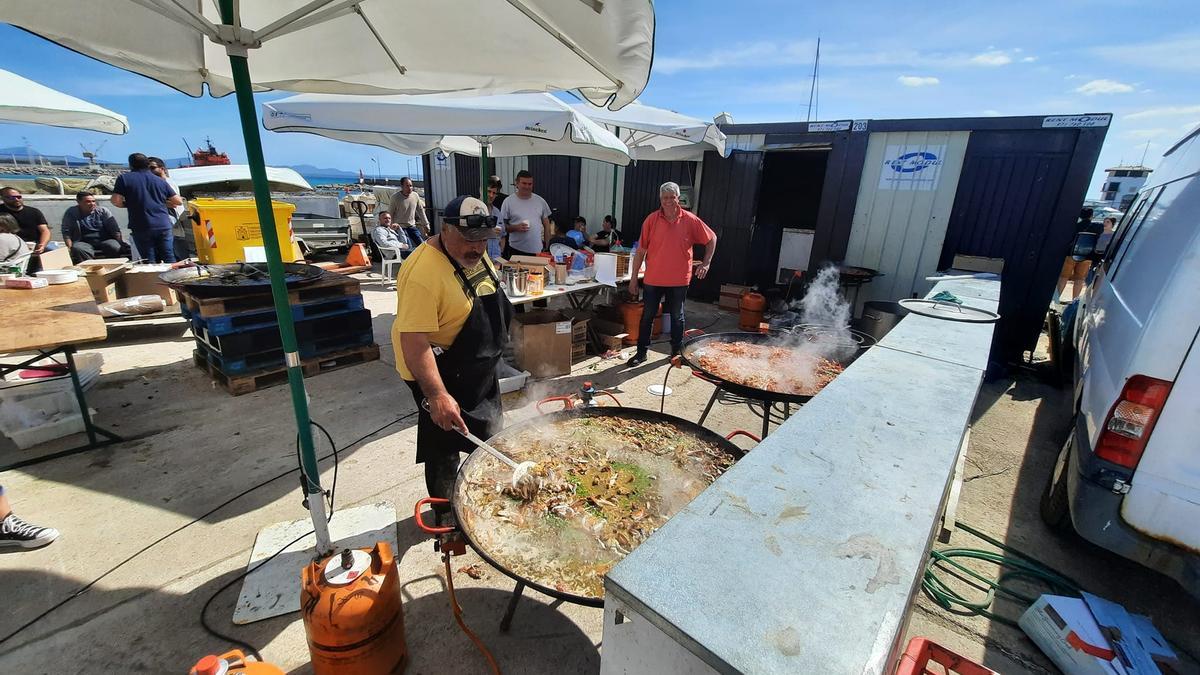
x=149 y=200
x=91 y=230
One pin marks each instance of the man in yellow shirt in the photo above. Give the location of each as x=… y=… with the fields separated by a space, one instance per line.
x=449 y=334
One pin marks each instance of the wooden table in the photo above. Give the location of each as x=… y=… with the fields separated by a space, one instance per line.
x=50 y=321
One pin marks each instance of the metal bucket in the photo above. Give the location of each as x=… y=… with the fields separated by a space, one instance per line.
x=516 y=281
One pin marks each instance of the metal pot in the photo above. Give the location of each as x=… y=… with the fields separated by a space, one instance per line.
x=516 y=281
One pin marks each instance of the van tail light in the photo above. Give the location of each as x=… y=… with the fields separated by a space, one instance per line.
x=1127 y=428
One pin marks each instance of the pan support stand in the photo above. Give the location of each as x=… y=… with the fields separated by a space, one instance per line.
x=768 y=406
x=506 y=621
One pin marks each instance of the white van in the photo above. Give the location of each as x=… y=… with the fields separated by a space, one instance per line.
x=1128 y=477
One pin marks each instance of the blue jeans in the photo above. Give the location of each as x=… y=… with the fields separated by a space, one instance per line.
x=155 y=246
x=651 y=297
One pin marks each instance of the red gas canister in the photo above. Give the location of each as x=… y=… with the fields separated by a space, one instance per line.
x=752 y=306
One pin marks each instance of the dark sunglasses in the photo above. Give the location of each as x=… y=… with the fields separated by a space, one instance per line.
x=473 y=220
x=8 y=198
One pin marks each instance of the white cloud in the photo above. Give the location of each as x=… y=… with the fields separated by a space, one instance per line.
x=1144 y=134
x=990 y=113
x=1166 y=111
x=768 y=53
x=1180 y=52
x=1029 y=59
x=917 y=80
x=992 y=58
x=1095 y=87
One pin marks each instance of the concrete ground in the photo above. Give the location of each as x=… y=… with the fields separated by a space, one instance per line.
x=192 y=447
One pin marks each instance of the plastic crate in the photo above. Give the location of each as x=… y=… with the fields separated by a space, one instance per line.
x=922 y=652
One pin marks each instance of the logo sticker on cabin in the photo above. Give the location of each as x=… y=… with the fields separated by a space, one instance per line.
x=907 y=167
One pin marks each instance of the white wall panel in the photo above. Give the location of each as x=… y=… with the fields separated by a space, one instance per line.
x=904 y=200
x=442 y=181
x=596 y=191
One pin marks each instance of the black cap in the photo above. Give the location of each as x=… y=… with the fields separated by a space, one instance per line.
x=472 y=218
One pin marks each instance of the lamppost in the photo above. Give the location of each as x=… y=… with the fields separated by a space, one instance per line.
x=409 y=174
x=376 y=162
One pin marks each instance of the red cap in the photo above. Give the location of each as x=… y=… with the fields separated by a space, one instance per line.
x=208 y=665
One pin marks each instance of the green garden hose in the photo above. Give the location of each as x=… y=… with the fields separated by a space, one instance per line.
x=1020 y=567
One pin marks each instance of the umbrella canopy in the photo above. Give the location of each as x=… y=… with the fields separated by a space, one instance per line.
x=511 y=125
x=25 y=101
x=656 y=133
x=236 y=178
x=601 y=47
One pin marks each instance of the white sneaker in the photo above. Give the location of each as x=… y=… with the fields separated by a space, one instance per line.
x=15 y=532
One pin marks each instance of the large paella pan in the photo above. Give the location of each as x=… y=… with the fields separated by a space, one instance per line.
x=610 y=478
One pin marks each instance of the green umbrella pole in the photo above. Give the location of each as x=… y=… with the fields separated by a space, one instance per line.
x=244 y=92
x=613 y=211
x=483 y=175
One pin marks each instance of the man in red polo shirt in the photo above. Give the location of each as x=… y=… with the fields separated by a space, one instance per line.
x=668 y=235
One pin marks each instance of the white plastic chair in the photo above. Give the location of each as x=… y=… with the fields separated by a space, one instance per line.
x=391 y=259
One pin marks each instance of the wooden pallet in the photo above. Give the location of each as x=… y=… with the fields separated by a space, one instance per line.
x=330 y=286
x=252 y=382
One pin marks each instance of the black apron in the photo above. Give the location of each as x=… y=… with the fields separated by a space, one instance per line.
x=468 y=371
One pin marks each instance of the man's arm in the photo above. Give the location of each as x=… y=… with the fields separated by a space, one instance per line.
x=117 y=200
x=639 y=257
x=67 y=227
x=422 y=219
x=174 y=201
x=709 y=249
x=418 y=356
x=43 y=237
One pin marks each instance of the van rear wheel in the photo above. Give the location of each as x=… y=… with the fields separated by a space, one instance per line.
x=1055 y=505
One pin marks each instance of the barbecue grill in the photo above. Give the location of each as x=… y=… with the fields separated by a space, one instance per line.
x=843 y=352
x=206 y=281
x=469 y=523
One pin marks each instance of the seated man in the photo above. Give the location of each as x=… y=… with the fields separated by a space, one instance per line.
x=388 y=234
x=562 y=235
x=91 y=231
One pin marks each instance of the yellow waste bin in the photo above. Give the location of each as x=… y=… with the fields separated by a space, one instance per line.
x=227 y=231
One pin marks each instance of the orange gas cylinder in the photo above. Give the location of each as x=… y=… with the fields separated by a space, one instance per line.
x=352 y=613
x=232 y=663
x=752 y=306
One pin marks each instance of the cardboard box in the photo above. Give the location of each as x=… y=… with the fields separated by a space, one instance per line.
x=731 y=295
x=541 y=342
x=1069 y=632
x=974 y=263
x=102 y=276
x=143 y=280
x=578 y=353
x=58 y=259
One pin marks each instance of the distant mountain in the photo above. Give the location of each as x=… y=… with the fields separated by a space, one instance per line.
x=21 y=153
x=310 y=170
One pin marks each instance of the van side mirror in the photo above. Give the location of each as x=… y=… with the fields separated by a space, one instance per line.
x=1084 y=245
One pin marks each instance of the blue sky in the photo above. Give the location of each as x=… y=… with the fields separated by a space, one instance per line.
x=754 y=59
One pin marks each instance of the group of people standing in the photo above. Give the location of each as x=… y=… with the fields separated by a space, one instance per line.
x=89 y=230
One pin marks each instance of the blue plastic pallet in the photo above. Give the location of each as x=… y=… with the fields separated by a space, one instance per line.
x=272 y=360
x=234 y=323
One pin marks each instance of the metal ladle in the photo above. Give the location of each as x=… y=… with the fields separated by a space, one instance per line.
x=524 y=482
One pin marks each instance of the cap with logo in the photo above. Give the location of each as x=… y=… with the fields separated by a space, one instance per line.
x=472 y=218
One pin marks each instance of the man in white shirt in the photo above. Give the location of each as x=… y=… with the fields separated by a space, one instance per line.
x=525 y=217
x=408 y=209
x=388 y=234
